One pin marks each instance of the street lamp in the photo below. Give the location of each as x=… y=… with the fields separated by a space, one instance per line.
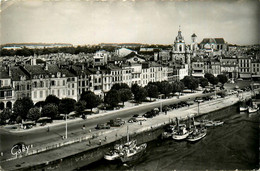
x=66 y=132
x=198 y=107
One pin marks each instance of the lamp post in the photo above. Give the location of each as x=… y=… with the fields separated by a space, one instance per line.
x=198 y=108
x=66 y=132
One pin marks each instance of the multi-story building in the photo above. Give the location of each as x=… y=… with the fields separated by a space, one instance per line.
x=6 y=90
x=255 y=69
x=198 y=68
x=229 y=67
x=50 y=79
x=244 y=67
x=100 y=58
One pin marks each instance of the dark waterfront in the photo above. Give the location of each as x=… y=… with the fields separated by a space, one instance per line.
x=235 y=145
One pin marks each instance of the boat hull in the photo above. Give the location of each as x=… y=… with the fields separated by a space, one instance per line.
x=252 y=110
x=180 y=137
x=197 y=138
x=134 y=156
x=243 y=109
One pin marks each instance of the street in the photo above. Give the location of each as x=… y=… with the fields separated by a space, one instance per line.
x=41 y=136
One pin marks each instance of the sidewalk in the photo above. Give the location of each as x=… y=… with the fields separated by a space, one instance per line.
x=127 y=106
x=107 y=136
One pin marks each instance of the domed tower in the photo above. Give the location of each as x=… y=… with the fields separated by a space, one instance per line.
x=194 y=43
x=179 y=43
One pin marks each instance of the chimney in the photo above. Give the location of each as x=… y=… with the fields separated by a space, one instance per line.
x=9 y=71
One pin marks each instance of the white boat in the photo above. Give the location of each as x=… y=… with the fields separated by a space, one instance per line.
x=132 y=153
x=243 y=109
x=197 y=135
x=180 y=132
x=112 y=155
x=218 y=123
x=209 y=124
x=253 y=109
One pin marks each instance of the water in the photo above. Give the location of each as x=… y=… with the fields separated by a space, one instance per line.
x=235 y=145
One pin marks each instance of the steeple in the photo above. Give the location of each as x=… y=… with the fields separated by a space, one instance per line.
x=179 y=37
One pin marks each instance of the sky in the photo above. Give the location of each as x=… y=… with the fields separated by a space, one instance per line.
x=82 y=22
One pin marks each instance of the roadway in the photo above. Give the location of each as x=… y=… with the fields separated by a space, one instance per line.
x=39 y=137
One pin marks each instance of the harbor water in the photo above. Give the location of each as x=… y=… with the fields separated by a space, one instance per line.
x=235 y=145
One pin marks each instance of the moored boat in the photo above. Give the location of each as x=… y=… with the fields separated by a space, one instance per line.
x=253 y=109
x=197 y=134
x=132 y=153
x=180 y=132
x=218 y=123
x=243 y=109
x=112 y=155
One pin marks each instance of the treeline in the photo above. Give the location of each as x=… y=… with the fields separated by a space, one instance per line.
x=53 y=107
x=71 y=50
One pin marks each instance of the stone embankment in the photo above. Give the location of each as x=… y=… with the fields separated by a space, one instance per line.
x=92 y=149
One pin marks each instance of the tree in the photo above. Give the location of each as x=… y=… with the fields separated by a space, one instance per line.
x=203 y=82
x=152 y=91
x=222 y=78
x=50 y=110
x=140 y=95
x=177 y=86
x=52 y=99
x=210 y=77
x=135 y=88
x=34 y=114
x=18 y=119
x=80 y=106
x=214 y=81
x=119 y=86
x=4 y=115
x=166 y=88
x=91 y=99
x=125 y=94
x=67 y=105
x=22 y=106
x=190 y=82
x=112 y=98
x=40 y=104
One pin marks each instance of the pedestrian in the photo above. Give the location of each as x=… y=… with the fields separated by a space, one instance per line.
x=99 y=141
x=48 y=130
x=89 y=142
x=116 y=135
x=105 y=138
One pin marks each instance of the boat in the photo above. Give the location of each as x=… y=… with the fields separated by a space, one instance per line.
x=253 y=108
x=243 y=109
x=197 y=134
x=112 y=155
x=209 y=124
x=218 y=123
x=181 y=132
x=131 y=154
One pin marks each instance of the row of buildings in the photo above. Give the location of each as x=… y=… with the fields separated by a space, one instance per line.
x=66 y=75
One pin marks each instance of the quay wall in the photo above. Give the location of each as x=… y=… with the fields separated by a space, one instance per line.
x=89 y=156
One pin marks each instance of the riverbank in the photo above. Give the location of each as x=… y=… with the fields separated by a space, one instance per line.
x=82 y=153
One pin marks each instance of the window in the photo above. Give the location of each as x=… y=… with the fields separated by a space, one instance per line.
x=41 y=94
x=68 y=92
x=52 y=83
x=35 y=94
x=63 y=82
x=72 y=92
x=72 y=85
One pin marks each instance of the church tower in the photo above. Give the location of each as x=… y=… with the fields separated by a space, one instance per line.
x=194 y=44
x=179 y=43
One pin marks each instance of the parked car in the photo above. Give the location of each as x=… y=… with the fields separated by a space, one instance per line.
x=103 y=126
x=131 y=120
x=135 y=115
x=116 y=122
x=141 y=118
